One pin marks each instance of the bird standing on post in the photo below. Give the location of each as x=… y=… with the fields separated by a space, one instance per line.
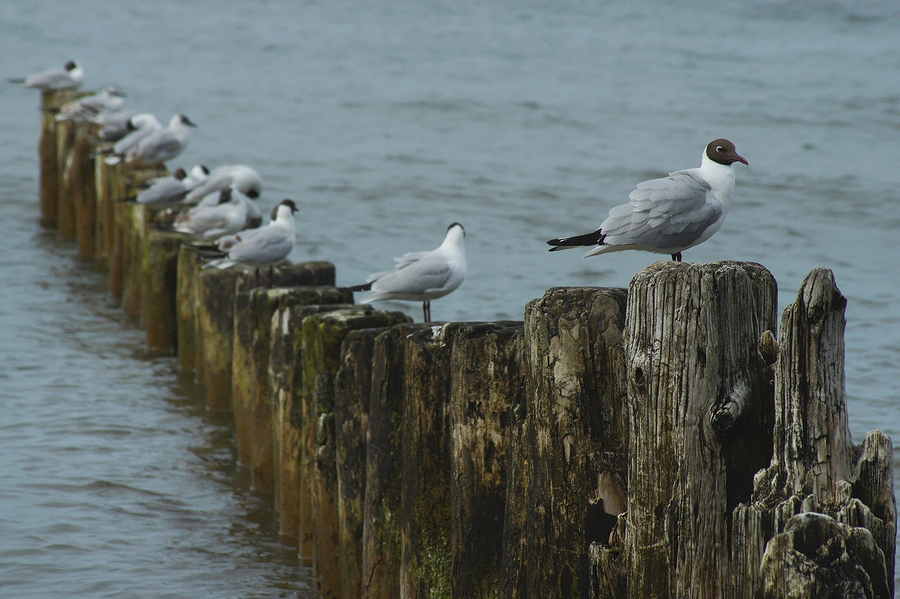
x=668 y=215
x=422 y=276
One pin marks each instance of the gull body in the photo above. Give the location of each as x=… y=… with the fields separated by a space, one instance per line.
x=422 y=276
x=67 y=77
x=243 y=178
x=171 y=190
x=163 y=144
x=87 y=108
x=263 y=246
x=671 y=214
x=140 y=126
x=210 y=222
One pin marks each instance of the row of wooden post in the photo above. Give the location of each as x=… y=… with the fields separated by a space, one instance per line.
x=651 y=442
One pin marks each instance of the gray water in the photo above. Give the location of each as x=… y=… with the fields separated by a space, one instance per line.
x=387 y=121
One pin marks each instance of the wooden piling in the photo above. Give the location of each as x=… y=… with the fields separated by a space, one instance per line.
x=381 y=542
x=570 y=450
x=700 y=400
x=777 y=551
x=252 y=387
x=487 y=379
x=662 y=446
x=159 y=288
x=215 y=292
x=321 y=338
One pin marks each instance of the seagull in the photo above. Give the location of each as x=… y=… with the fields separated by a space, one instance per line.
x=163 y=144
x=87 y=108
x=668 y=215
x=243 y=178
x=422 y=276
x=209 y=222
x=164 y=192
x=264 y=246
x=68 y=77
x=114 y=125
x=141 y=125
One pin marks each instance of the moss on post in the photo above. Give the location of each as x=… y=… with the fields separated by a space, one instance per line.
x=159 y=289
x=252 y=371
x=569 y=444
x=382 y=536
x=487 y=377
x=426 y=559
x=186 y=311
x=322 y=336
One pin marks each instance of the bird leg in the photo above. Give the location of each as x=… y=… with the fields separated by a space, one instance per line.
x=426 y=311
x=676 y=257
x=257 y=276
x=271 y=275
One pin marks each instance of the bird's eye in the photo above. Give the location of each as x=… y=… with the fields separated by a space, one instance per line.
x=720 y=149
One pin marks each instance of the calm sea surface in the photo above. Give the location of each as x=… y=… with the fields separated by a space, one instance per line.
x=387 y=121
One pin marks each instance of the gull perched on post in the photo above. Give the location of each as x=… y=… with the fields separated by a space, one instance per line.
x=68 y=77
x=668 y=215
x=422 y=276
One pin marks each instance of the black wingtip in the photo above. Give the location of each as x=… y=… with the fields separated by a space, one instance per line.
x=561 y=243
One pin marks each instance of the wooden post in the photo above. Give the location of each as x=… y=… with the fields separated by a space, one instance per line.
x=425 y=569
x=159 y=273
x=216 y=292
x=105 y=177
x=286 y=363
x=322 y=336
x=700 y=400
x=65 y=202
x=48 y=151
x=252 y=388
x=568 y=474
x=816 y=468
x=487 y=377
x=186 y=312
x=352 y=390
x=381 y=550
x=82 y=186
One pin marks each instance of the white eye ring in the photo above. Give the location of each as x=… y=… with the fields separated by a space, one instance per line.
x=720 y=149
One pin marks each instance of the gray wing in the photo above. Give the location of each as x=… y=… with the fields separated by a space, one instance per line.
x=667 y=212
x=53 y=78
x=167 y=190
x=131 y=140
x=159 y=145
x=266 y=245
x=420 y=273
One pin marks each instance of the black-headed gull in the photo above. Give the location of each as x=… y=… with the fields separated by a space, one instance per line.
x=111 y=99
x=260 y=247
x=240 y=176
x=422 y=276
x=668 y=215
x=210 y=222
x=170 y=190
x=68 y=77
x=163 y=144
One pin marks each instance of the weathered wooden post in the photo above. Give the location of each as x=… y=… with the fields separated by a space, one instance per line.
x=65 y=212
x=322 y=336
x=186 y=311
x=425 y=523
x=159 y=289
x=381 y=545
x=216 y=291
x=846 y=544
x=80 y=174
x=487 y=377
x=568 y=469
x=701 y=411
x=48 y=151
x=105 y=178
x=252 y=384
x=352 y=391
x=286 y=365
